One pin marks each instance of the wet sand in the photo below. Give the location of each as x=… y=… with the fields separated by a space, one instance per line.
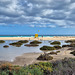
x=31 y=58
x=39 y=38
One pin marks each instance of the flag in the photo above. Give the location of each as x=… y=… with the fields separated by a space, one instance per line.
x=38 y=30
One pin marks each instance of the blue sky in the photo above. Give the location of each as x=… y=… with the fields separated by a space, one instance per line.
x=23 y=17
x=27 y=30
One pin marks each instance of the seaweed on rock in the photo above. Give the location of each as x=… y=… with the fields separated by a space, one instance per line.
x=53 y=53
x=65 y=45
x=56 y=43
x=45 y=57
x=31 y=45
x=57 y=47
x=47 y=48
x=5 y=46
x=70 y=41
x=23 y=41
x=35 y=42
x=17 y=44
x=2 y=41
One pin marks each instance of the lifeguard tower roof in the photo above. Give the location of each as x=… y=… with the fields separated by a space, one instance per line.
x=36 y=35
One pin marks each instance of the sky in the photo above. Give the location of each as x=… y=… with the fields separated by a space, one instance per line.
x=26 y=17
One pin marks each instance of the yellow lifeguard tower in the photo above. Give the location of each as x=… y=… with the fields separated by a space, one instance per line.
x=36 y=35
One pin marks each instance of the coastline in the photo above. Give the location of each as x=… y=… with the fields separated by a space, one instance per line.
x=31 y=58
x=39 y=38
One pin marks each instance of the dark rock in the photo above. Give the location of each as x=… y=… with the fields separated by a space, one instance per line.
x=45 y=57
x=56 y=43
x=31 y=45
x=17 y=44
x=54 y=52
x=6 y=46
x=35 y=42
x=66 y=46
x=47 y=48
x=2 y=41
x=23 y=41
x=70 y=41
x=57 y=47
x=73 y=53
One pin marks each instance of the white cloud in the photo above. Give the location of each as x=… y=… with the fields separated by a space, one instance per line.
x=54 y=12
x=47 y=12
x=38 y=18
x=51 y=26
x=68 y=1
x=41 y=26
x=2 y=24
x=32 y=25
x=72 y=6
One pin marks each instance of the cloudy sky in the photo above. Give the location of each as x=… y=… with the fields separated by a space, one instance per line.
x=29 y=16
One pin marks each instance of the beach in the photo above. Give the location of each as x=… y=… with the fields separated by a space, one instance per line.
x=31 y=58
x=50 y=51
x=39 y=38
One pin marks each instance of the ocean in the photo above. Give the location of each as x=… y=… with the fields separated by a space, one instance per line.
x=33 y=35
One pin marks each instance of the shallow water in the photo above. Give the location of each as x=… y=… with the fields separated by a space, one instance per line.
x=9 y=54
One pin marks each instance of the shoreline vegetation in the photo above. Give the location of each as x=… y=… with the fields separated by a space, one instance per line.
x=46 y=63
x=65 y=66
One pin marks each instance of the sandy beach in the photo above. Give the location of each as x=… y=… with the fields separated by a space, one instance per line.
x=39 y=38
x=31 y=58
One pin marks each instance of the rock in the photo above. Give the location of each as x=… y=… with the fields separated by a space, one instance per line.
x=2 y=41
x=6 y=46
x=45 y=57
x=35 y=42
x=56 y=43
x=47 y=48
x=31 y=45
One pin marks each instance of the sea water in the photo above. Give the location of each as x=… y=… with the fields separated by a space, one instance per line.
x=23 y=36
x=33 y=35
